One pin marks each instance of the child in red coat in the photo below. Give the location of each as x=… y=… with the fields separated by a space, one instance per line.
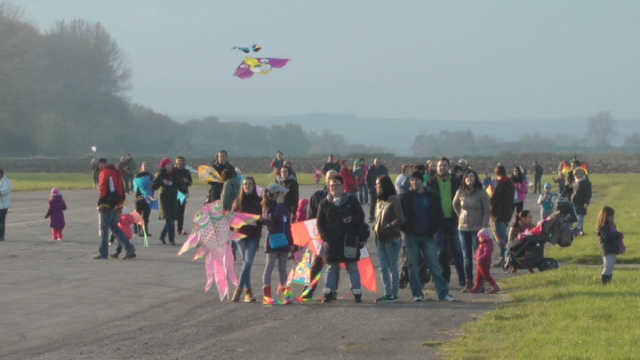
x=301 y=214
x=55 y=214
x=124 y=223
x=483 y=262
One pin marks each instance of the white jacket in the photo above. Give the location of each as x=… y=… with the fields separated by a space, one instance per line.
x=5 y=193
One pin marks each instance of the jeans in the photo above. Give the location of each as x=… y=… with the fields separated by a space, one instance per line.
x=424 y=246
x=3 y=217
x=388 y=253
x=248 y=248
x=109 y=221
x=500 y=228
x=331 y=278
x=169 y=228
x=363 y=194
x=580 y=225
x=372 y=205
x=281 y=258
x=469 y=243
x=448 y=235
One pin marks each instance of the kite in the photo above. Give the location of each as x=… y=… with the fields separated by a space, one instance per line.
x=250 y=66
x=143 y=184
x=213 y=232
x=209 y=174
x=566 y=168
x=246 y=50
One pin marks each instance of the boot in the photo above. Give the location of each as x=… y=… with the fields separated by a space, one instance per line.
x=236 y=295
x=357 y=294
x=266 y=290
x=478 y=285
x=307 y=293
x=606 y=279
x=329 y=296
x=248 y=297
x=467 y=286
x=494 y=288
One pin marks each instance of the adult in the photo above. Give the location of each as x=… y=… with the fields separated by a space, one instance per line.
x=219 y=165
x=350 y=184
x=581 y=197
x=292 y=196
x=523 y=222
x=463 y=164
x=363 y=190
x=523 y=170
x=124 y=170
x=5 y=201
x=432 y=170
x=128 y=176
x=402 y=184
x=185 y=175
x=142 y=195
x=520 y=183
x=446 y=186
x=95 y=172
x=501 y=209
x=277 y=163
x=112 y=197
x=230 y=189
x=292 y=172
x=376 y=170
x=389 y=220
x=168 y=183
x=422 y=218
x=339 y=217
x=537 y=177
x=248 y=202
x=330 y=165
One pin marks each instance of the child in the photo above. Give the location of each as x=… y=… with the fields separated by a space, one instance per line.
x=317 y=177
x=301 y=214
x=483 y=262
x=124 y=223
x=560 y=181
x=546 y=201
x=55 y=214
x=610 y=239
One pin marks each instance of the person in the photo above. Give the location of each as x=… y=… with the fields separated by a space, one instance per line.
x=55 y=214
x=471 y=204
x=446 y=186
x=389 y=220
x=230 y=189
x=185 y=175
x=432 y=171
x=287 y=163
x=350 y=184
x=546 y=201
x=5 y=201
x=357 y=174
x=292 y=196
x=168 y=183
x=330 y=165
x=276 y=164
x=463 y=164
x=248 y=202
x=363 y=191
x=523 y=222
x=339 y=217
x=581 y=197
x=520 y=183
x=523 y=170
x=317 y=177
x=128 y=175
x=112 y=197
x=376 y=170
x=456 y=172
x=487 y=181
x=124 y=223
x=569 y=180
x=124 y=170
x=276 y=218
x=95 y=172
x=501 y=209
x=537 y=177
x=560 y=181
x=219 y=165
x=402 y=181
x=483 y=262
x=610 y=239
x=301 y=214
x=423 y=215
x=142 y=195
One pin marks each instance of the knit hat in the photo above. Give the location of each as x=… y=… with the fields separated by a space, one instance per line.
x=547 y=186
x=485 y=234
x=416 y=174
x=276 y=188
x=55 y=192
x=164 y=162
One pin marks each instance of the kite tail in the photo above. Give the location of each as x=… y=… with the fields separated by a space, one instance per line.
x=220 y=272
x=307 y=290
x=192 y=241
x=287 y=298
x=208 y=266
x=228 y=260
x=146 y=240
x=200 y=253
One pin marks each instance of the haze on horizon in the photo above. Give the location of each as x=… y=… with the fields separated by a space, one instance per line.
x=490 y=60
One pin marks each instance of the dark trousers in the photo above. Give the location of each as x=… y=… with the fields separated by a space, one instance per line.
x=373 y=199
x=180 y=218
x=144 y=210
x=3 y=216
x=169 y=229
x=517 y=207
x=537 y=184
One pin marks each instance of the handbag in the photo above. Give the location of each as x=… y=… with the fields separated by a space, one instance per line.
x=279 y=240
x=621 y=248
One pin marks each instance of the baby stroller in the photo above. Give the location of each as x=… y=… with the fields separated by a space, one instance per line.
x=566 y=207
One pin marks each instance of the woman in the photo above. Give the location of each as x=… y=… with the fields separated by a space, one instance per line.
x=292 y=172
x=524 y=222
x=168 y=183
x=350 y=185
x=5 y=201
x=276 y=218
x=142 y=195
x=581 y=197
x=520 y=182
x=248 y=202
x=95 y=171
x=293 y=195
x=185 y=175
x=472 y=204
x=389 y=220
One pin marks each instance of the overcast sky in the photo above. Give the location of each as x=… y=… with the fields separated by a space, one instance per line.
x=445 y=60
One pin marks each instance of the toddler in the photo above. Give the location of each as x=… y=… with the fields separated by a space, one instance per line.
x=610 y=239
x=55 y=214
x=546 y=201
x=483 y=262
x=317 y=177
x=124 y=223
x=301 y=214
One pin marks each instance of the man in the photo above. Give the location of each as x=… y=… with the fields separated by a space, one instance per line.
x=277 y=163
x=131 y=169
x=124 y=170
x=377 y=169
x=339 y=218
x=422 y=218
x=185 y=175
x=402 y=181
x=220 y=164
x=363 y=191
x=537 y=177
x=463 y=164
x=110 y=207
x=331 y=165
x=501 y=209
x=446 y=185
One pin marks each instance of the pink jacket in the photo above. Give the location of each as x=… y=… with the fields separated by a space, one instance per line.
x=485 y=249
x=522 y=190
x=125 y=222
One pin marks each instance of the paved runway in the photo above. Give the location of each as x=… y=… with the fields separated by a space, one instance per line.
x=57 y=303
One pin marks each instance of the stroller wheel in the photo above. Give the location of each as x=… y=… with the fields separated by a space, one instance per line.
x=551 y=264
x=507 y=264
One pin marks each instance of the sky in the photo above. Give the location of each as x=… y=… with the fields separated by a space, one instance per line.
x=406 y=59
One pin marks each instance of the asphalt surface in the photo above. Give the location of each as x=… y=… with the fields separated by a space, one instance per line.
x=58 y=303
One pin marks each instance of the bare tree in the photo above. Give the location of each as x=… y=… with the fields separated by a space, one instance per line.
x=601 y=128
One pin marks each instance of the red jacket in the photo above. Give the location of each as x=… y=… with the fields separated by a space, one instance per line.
x=110 y=171
x=349 y=181
x=484 y=251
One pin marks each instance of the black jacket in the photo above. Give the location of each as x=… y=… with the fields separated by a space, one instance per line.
x=432 y=184
x=215 y=192
x=168 y=194
x=291 y=198
x=372 y=175
x=609 y=241
x=335 y=232
x=184 y=174
x=331 y=166
x=314 y=202
x=502 y=200
x=436 y=216
x=582 y=196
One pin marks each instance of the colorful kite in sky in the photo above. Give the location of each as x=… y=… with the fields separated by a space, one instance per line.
x=250 y=66
x=246 y=50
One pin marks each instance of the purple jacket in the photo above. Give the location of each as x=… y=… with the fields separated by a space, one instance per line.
x=275 y=216
x=55 y=213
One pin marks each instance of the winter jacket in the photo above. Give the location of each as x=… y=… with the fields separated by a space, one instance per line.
x=168 y=194
x=335 y=232
x=455 y=185
x=292 y=197
x=546 y=205
x=484 y=251
x=522 y=189
x=250 y=205
x=349 y=180
x=215 y=190
x=581 y=195
x=5 y=193
x=230 y=192
x=472 y=208
x=301 y=214
x=435 y=217
x=331 y=166
x=389 y=219
x=110 y=172
x=124 y=223
x=184 y=173
x=364 y=169
x=609 y=240
x=276 y=219
x=538 y=171
x=314 y=202
x=373 y=173
x=502 y=200
x=55 y=214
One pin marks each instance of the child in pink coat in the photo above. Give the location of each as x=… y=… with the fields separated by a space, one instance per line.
x=124 y=223
x=55 y=214
x=301 y=214
x=483 y=262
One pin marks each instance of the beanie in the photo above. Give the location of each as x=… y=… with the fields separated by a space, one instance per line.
x=164 y=162
x=55 y=191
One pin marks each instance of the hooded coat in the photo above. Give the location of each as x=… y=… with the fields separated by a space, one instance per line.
x=334 y=231
x=55 y=214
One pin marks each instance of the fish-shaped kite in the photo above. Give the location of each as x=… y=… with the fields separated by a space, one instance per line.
x=246 y=50
x=250 y=66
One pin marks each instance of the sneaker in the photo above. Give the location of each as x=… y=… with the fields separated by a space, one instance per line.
x=329 y=297
x=115 y=255
x=129 y=255
x=162 y=240
x=448 y=298
x=386 y=298
x=99 y=257
x=418 y=298
x=358 y=298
